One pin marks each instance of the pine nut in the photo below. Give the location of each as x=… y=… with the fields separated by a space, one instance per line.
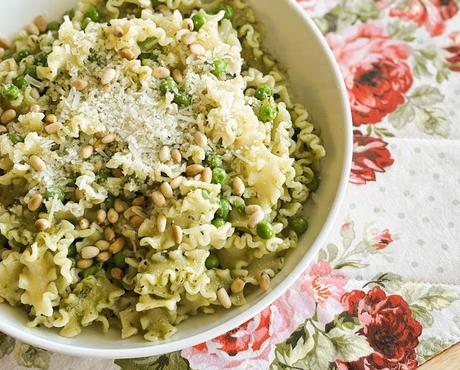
x=2 y=52
x=161 y=72
x=32 y=29
x=89 y=252
x=158 y=199
x=34 y=108
x=83 y=223
x=3 y=129
x=117 y=172
x=166 y=190
x=34 y=93
x=177 y=75
x=50 y=118
x=206 y=175
x=194 y=169
x=177 y=234
x=102 y=245
x=41 y=23
x=109 y=234
x=197 y=49
x=200 y=139
x=165 y=154
x=37 y=163
x=255 y=218
x=86 y=151
x=161 y=222
x=79 y=194
x=98 y=165
x=176 y=156
x=112 y=216
x=80 y=84
x=188 y=24
x=117 y=273
x=223 y=298
x=42 y=224
x=237 y=285
x=176 y=182
x=119 y=205
x=117 y=245
x=139 y=201
x=117 y=31
x=110 y=138
x=189 y=38
x=53 y=128
x=136 y=221
x=264 y=281
x=238 y=186
x=103 y=256
x=253 y=208
x=127 y=54
x=35 y=202
x=108 y=75
x=101 y=215
x=7 y=116
x=98 y=146
x=84 y=264
x=4 y=43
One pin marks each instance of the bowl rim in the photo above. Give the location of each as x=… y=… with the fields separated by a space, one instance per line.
x=269 y=298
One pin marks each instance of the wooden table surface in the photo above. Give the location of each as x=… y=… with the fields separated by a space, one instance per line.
x=447 y=360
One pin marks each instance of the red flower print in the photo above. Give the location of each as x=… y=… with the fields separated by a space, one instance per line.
x=375 y=71
x=432 y=14
x=454 y=50
x=370 y=155
x=389 y=327
x=382 y=240
x=318 y=8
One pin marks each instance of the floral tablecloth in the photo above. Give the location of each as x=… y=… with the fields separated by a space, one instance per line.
x=384 y=293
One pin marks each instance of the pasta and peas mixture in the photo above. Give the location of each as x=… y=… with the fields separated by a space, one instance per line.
x=152 y=165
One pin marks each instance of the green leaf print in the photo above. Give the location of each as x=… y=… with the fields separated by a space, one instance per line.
x=402 y=30
x=323 y=354
x=171 y=361
x=438 y=298
x=430 y=346
x=426 y=95
x=6 y=345
x=29 y=356
x=422 y=315
x=348 y=345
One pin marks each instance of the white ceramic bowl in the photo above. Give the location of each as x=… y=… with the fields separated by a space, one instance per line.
x=293 y=38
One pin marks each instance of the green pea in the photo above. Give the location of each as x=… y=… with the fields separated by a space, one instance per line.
x=72 y=251
x=218 y=222
x=15 y=138
x=93 y=14
x=10 y=92
x=224 y=209
x=147 y=44
x=31 y=71
x=182 y=99
x=268 y=111
x=70 y=13
x=219 y=176
x=21 y=54
x=55 y=193
x=265 y=230
x=168 y=85
x=214 y=161
x=212 y=261
x=228 y=9
x=41 y=59
x=205 y=194
x=119 y=260
x=85 y=22
x=220 y=68
x=314 y=183
x=109 y=201
x=298 y=224
x=239 y=206
x=21 y=82
x=198 y=19
x=3 y=240
x=54 y=26
x=263 y=92
x=92 y=270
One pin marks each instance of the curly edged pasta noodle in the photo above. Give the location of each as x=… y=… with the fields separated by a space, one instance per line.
x=152 y=165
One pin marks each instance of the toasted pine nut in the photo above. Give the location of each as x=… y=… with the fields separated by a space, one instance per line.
x=35 y=202
x=42 y=224
x=7 y=116
x=108 y=75
x=41 y=23
x=53 y=128
x=197 y=49
x=237 y=285
x=34 y=108
x=102 y=245
x=177 y=234
x=177 y=75
x=37 y=163
x=98 y=165
x=80 y=84
x=5 y=43
x=194 y=169
x=110 y=138
x=109 y=234
x=83 y=223
x=117 y=245
x=161 y=72
x=161 y=222
x=119 y=205
x=117 y=172
x=264 y=281
x=238 y=186
x=136 y=221
x=255 y=218
x=189 y=38
x=117 y=273
x=3 y=129
x=166 y=190
x=165 y=154
x=158 y=199
x=101 y=215
x=32 y=29
x=127 y=54
x=34 y=93
x=2 y=52
x=253 y=208
x=79 y=194
x=112 y=216
x=223 y=298
x=50 y=118
x=139 y=201
x=98 y=146
x=176 y=156
x=89 y=252
x=176 y=182
x=200 y=139
x=118 y=31
x=103 y=256
x=206 y=175
x=84 y=264
x=86 y=151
